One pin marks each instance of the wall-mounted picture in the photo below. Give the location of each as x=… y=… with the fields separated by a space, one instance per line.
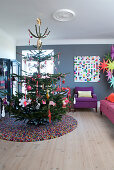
x=86 y=69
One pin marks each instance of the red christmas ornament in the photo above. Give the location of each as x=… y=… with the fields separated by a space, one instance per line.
x=38 y=76
x=49 y=115
x=58 y=89
x=29 y=88
x=63 y=81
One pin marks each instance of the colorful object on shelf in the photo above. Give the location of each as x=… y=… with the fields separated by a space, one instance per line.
x=103 y=65
x=112 y=81
x=86 y=68
x=19 y=131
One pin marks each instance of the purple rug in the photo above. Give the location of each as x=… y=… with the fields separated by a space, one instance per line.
x=19 y=131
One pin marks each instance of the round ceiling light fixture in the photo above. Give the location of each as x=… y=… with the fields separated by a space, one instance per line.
x=64 y=15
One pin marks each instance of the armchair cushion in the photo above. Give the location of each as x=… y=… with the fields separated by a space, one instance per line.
x=84 y=94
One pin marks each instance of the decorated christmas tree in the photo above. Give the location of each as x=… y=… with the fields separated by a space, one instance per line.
x=44 y=99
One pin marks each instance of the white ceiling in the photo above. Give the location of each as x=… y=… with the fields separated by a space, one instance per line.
x=94 y=20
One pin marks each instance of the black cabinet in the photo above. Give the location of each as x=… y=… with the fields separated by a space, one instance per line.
x=7 y=68
x=5 y=65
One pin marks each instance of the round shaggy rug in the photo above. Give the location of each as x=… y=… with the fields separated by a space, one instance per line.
x=19 y=131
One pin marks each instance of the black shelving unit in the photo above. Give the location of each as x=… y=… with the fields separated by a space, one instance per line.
x=7 y=68
x=5 y=77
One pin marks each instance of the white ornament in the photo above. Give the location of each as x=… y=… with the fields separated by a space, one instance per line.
x=38 y=106
x=24 y=102
x=74 y=100
x=58 y=62
x=3 y=112
x=29 y=101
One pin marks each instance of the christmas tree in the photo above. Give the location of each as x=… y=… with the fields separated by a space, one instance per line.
x=44 y=100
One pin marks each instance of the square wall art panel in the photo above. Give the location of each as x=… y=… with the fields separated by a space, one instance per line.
x=86 y=69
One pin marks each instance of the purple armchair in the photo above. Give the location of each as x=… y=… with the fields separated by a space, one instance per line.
x=85 y=102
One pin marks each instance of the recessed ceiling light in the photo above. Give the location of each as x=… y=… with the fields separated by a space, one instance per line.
x=64 y=15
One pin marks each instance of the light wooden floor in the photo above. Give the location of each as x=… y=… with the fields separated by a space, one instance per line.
x=89 y=147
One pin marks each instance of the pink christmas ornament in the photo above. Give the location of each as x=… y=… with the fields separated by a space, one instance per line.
x=38 y=75
x=53 y=92
x=58 y=89
x=29 y=88
x=43 y=102
x=52 y=103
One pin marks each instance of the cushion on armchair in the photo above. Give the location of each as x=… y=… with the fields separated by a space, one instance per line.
x=84 y=94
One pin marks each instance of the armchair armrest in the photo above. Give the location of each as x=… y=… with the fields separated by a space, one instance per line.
x=94 y=96
x=76 y=95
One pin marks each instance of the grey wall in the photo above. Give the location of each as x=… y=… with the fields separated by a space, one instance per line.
x=102 y=88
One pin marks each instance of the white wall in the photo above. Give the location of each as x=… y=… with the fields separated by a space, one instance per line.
x=7 y=46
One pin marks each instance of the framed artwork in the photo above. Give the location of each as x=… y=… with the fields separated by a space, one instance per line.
x=86 y=69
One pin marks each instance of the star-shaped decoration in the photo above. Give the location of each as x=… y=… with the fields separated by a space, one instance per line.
x=112 y=81
x=110 y=65
x=24 y=102
x=109 y=74
x=103 y=65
